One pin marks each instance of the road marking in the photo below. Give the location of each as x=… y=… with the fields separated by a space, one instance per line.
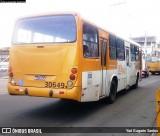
x=148 y=83
x=153 y=134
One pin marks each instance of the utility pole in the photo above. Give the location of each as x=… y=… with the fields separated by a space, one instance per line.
x=145 y=52
x=145 y=44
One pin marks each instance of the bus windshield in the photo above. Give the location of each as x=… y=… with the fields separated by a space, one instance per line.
x=45 y=29
x=153 y=59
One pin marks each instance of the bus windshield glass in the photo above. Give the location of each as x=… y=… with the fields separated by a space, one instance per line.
x=153 y=59
x=45 y=29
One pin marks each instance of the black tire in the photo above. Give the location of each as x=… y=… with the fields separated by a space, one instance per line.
x=135 y=86
x=153 y=73
x=113 y=91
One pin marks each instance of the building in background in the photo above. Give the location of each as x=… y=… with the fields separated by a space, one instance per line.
x=4 y=60
x=150 y=49
x=152 y=45
x=4 y=54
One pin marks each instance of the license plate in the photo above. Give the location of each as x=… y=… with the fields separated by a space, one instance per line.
x=39 y=77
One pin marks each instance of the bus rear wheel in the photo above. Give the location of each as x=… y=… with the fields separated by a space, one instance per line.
x=135 y=86
x=113 y=91
x=153 y=73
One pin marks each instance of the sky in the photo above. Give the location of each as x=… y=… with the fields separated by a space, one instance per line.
x=127 y=18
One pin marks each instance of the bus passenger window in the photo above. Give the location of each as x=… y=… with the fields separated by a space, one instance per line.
x=90 y=41
x=137 y=53
x=120 y=49
x=86 y=51
x=112 y=47
x=133 y=55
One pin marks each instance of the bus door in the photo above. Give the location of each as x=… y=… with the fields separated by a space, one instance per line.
x=103 y=49
x=127 y=66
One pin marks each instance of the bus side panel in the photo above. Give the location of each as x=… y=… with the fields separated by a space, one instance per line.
x=122 y=81
x=91 y=85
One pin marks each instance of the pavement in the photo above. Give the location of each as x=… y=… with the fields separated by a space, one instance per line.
x=132 y=108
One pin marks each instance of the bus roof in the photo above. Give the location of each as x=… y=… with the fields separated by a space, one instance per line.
x=47 y=14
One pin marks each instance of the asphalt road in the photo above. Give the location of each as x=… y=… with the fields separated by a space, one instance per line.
x=132 y=108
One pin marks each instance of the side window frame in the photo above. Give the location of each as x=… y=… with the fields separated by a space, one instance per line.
x=112 y=47
x=90 y=41
x=132 y=50
x=137 y=53
x=120 y=49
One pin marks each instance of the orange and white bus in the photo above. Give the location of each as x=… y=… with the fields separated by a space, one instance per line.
x=64 y=56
